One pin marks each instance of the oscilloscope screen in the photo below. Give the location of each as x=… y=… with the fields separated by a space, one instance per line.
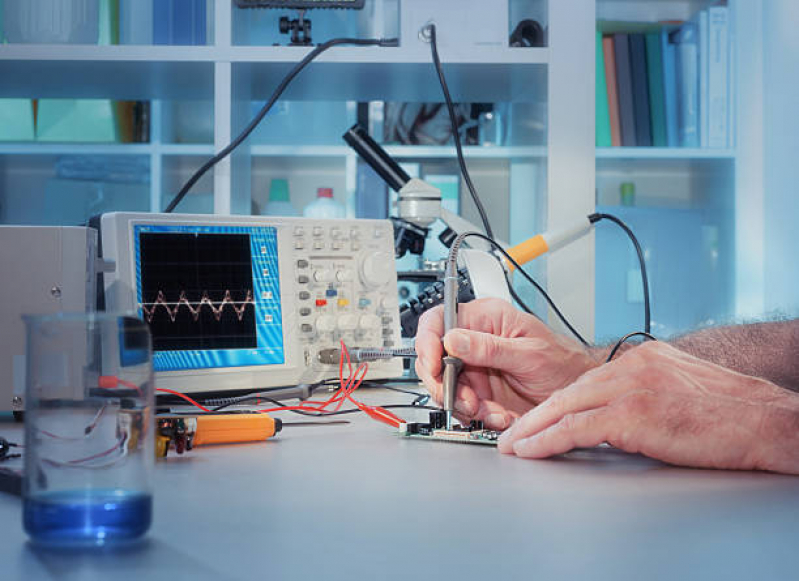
x=197 y=290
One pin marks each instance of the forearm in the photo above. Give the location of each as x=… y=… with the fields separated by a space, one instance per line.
x=766 y=350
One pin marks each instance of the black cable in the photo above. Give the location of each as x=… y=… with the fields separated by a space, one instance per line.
x=593 y=218
x=529 y=278
x=265 y=109
x=455 y=134
x=626 y=338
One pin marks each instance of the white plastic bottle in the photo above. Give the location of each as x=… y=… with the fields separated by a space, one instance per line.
x=324 y=206
x=279 y=204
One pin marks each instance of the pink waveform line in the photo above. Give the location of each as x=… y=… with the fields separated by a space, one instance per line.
x=194 y=308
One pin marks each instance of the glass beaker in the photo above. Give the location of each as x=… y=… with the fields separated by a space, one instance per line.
x=89 y=446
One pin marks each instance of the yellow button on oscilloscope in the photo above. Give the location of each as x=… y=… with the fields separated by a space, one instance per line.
x=343 y=302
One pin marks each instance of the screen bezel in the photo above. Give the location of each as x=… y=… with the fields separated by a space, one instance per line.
x=118 y=232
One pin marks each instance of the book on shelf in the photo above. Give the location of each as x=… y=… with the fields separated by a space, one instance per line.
x=718 y=77
x=625 y=89
x=669 y=56
x=603 y=131
x=703 y=48
x=657 y=92
x=640 y=83
x=609 y=57
x=688 y=123
x=667 y=84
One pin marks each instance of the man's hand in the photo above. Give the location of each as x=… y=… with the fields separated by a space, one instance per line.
x=666 y=404
x=512 y=360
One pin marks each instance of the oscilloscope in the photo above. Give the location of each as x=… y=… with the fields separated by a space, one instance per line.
x=241 y=302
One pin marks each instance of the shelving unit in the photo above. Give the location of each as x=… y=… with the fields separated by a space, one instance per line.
x=522 y=184
x=704 y=196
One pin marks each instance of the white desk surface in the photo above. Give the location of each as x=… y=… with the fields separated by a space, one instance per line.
x=357 y=502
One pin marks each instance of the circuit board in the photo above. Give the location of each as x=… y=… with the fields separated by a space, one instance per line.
x=474 y=433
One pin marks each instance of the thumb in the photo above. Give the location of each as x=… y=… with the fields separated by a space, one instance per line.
x=484 y=349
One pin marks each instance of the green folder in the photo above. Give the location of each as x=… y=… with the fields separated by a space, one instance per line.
x=657 y=90
x=602 y=110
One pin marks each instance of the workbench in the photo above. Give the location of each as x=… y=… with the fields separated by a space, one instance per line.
x=358 y=502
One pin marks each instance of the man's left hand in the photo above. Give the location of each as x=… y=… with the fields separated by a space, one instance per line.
x=666 y=404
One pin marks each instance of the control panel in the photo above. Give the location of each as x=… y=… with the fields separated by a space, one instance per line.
x=346 y=285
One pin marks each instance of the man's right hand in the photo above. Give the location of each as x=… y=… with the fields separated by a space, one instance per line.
x=512 y=361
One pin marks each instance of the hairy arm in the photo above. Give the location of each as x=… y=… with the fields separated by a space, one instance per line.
x=766 y=350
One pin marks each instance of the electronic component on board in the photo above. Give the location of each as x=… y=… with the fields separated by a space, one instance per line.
x=435 y=429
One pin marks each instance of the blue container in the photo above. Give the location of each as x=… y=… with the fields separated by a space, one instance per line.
x=84 y=517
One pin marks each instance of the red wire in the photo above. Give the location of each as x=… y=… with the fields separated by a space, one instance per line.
x=346 y=388
x=184 y=396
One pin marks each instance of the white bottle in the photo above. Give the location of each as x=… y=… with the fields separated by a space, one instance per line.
x=324 y=206
x=279 y=204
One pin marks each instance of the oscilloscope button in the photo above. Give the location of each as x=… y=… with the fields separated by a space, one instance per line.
x=322 y=275
x=302 y=279
x=299 y=231
x=304 y=295
x=306 y=328
x=355 y=245
x=318 y=231
x=335 y=232
x=302 y=263
x=318 y=245
x=299 y=244
x=305 y=311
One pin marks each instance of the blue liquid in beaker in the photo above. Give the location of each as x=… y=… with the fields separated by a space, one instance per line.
x=83 y=517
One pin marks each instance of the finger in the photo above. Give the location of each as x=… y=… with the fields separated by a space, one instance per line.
x=428 y=340
x=494 y=415
x=594 y=389
x=582 y=430
x=432 y=384
x=487 y=350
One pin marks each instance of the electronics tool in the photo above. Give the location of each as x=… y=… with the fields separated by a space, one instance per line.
x=245 y=303
x=183 y=432
x=46 y=269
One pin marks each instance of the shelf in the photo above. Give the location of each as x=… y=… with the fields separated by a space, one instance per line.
x=399 y=151
x=475 y=151
x=43 y=148
x=348 y=73
x=683 y=153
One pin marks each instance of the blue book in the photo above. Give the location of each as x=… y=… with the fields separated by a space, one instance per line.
x=688 y=84
x=621 y=47
x=640 y=82
x=179 y=22
x=670 y=86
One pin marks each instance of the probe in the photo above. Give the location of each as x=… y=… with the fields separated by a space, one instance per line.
x=452 y=365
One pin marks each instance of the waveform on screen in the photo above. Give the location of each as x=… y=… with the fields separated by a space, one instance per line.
x=172 y=308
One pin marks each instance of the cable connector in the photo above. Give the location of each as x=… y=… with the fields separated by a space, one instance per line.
x=332 y=356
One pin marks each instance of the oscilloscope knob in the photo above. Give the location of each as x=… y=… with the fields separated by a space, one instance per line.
x=326 y=323
x=348 y=322
x=376 y=269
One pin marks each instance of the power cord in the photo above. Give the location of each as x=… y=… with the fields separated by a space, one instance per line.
x=453 y=256
x=392 y=42
x=626 y=338
x=431 y=29
x=594 y=218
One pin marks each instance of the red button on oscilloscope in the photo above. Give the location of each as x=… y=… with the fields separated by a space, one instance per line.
x=321 y=302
